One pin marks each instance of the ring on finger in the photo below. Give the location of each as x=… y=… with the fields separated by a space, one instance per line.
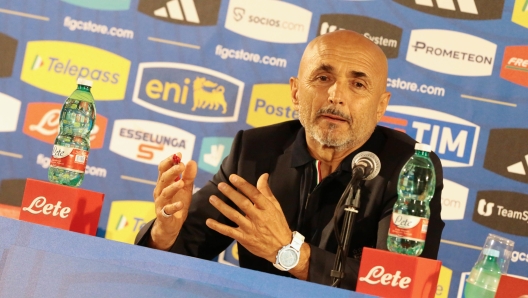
x=165 y=213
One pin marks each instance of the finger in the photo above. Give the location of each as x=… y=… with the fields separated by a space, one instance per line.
x=189 y=174
x=163 y=166
x=170 y=209
x=263 y=187
x=166 y=164
x=224 y=229
x=168 y=193
x=167 y=178
x=230 y=213
x=239 y=199
x=250 y=191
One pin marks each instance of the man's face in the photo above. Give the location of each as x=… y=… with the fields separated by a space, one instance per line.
x=340 y=92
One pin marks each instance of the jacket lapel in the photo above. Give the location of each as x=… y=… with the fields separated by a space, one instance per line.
x=284 y=183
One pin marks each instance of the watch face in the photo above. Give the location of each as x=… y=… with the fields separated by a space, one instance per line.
x=288 y=258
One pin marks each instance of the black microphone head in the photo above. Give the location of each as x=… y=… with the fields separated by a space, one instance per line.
x=370 y=161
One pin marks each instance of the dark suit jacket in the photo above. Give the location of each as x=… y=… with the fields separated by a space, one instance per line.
x=269 y=150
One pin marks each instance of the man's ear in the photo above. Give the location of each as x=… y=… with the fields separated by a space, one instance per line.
x=382 y=105
x=294 y=88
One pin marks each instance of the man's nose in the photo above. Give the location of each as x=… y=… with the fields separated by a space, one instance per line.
x=336 y=93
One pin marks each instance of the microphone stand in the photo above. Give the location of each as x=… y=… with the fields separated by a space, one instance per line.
x=351 y=205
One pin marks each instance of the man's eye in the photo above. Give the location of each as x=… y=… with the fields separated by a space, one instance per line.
x=359 y=85
x=322 y=78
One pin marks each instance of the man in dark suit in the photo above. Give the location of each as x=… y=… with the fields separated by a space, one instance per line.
x=276 y=192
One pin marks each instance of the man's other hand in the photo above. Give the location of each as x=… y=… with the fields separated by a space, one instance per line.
x=264 y=229
x=172 y=198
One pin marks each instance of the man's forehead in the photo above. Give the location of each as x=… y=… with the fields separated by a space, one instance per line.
x=336 y=64
x=350 y=70
x=350 y=54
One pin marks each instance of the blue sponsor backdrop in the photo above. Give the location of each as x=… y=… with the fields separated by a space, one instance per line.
x=194 y=33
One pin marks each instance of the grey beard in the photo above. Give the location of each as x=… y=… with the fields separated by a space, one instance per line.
x=323 y=137
x=330 y=142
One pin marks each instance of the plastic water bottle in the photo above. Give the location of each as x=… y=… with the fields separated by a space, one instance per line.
x=70 y=152
x=484 y=277
x=410 y=215
x=493 y=261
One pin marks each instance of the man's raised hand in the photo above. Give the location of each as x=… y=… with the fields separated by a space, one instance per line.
x=172 y=198
x=263 y=230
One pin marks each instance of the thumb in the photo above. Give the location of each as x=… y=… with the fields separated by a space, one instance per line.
x=189 y=173
x=263 y=187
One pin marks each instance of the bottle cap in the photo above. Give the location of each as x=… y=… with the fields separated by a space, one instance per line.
x=490 y=252
x=422 y=147
x=84 y=82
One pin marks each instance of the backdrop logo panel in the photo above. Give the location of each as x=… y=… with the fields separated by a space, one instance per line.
x=126 y=219
x=520 y=13
x=502 y=211
x=458 y=9
x=54 y=66
x=9 y=111
x=451 y=52
x=385 y=35
x=444 y=282
x=454 y=200
x=185 y=12
x=269 y=20
x=453 y=139
x=42 y=123
x=8 y=46
x=270 y=104
x=515 y=65
x=213 y=151
x=188 y=92
x=150 y=142
x=519 y=256
x=101 y=4
x=507 y=153
x=230 y=255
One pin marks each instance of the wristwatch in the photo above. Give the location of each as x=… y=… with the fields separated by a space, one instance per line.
x=288 y=256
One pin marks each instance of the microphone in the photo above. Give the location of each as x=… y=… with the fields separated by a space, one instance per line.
x=365 y=166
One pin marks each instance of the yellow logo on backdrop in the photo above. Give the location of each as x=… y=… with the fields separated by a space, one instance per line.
x=234 y=251
x=444 y=282
x=54 y=66
x=520 y=13
x=270 y=104
x=126 y=219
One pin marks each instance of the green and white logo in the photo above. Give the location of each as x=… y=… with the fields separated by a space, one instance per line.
x=101 y=4
x=213 y=151
x=37 y=63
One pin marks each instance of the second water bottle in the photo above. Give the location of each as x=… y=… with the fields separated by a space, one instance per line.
x=410 y=217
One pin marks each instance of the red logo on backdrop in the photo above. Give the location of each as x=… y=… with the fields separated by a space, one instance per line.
x=42 y=123
x=388 y=274
x=515 y=65
x=60 y=206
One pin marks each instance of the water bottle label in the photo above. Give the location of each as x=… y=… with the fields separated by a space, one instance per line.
x=69 y=158
x=408 y=227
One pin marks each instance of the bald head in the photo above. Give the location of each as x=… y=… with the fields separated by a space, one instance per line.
x=340 y=90
x=344 y=44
